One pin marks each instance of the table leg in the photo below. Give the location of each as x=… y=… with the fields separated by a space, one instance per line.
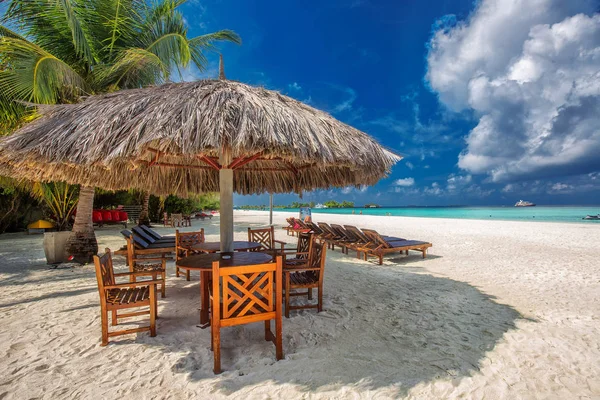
x=204 y=298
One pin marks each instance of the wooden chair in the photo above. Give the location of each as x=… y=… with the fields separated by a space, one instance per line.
x=166 y=220
x=299 y=256
x=183 y=247
x=290 y=228
x=176 y=220
x=266 y=237
x=118 y=296
x=246 y=294
x=384 y=246
x=151 y=266
x=307 y=276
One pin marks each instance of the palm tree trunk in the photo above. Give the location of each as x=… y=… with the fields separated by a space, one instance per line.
x=82 y=244
x=144 y=218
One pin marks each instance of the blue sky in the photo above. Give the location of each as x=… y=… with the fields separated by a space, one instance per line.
x=488 y=101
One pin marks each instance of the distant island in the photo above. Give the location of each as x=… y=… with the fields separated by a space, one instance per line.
x=312 y=204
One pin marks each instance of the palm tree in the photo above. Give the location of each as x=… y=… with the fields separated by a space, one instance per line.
x=53 y=51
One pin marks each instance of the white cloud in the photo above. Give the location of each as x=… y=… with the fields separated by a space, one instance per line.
x=346 y=104
x=530 y=72
x=294 y=86
x=409 y=165
x=404 y=182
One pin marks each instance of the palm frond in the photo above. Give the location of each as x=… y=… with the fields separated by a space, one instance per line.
x=35 y=75
x=134 y=68
x=202 y=43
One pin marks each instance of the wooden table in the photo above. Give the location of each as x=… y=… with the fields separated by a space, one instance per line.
x=213 y=247
x=203 y=263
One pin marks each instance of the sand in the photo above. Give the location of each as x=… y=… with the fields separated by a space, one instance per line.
x=499 y=310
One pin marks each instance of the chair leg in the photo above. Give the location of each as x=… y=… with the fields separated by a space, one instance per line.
x=177 y=271
x=380 y=258
x=320 y=304
x=187 y=275
x=104 y=323
x=216 y=345
x=278 y=339
x=309 y=293
x=287 y=297
x=163 y=289
x=114 y=317
x=153 y=310
x=268 y=330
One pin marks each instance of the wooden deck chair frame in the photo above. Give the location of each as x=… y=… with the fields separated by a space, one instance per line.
x=384 y=247
x=118 y=296
x=146 y=266
x=294 y=278
x=243 y=295
x=183 y=248
x=266 y=237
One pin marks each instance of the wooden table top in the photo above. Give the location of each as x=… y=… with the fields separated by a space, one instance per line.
x=204 y=262
x=212 y=247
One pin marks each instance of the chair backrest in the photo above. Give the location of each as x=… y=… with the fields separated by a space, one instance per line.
x=315 y=228
x=264 y=236
x=290 y=221
x=176 y=218
x=317 y=258
x=356 y=232
x=246 y=294
x=376 y=238
x=341 y=231
x=327 y=229
x=305 y=241
x=141 y=233
x=151 y=232
x=185 y=241
x=104 y=271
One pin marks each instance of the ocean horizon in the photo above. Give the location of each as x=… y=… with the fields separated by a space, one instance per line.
x=567 y=214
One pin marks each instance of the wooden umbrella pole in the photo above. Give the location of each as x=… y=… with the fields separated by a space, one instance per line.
x=226 y=197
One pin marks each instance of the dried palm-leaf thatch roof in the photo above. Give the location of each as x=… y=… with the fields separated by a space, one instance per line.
x=171 y=139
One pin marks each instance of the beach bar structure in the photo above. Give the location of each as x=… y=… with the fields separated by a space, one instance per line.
x=195 y=137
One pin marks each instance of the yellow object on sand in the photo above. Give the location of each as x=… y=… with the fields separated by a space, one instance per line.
x=41 y=224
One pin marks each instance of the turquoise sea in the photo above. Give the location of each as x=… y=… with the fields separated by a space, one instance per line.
x=538 y=213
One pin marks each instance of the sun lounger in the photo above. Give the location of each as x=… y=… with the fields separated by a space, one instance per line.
x=155 y=234
x=383 y=246
x=143 y=247
x=330 y=236
x=138 y=231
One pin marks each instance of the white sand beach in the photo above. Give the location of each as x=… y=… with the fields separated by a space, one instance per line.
x=498 y=310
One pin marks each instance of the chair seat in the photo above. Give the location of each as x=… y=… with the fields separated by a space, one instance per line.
x=128 y=296
x=304 y=278
x=147 y=267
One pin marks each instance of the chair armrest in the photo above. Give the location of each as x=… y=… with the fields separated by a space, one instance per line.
x=132 y=284
x=136 y=273
x=148 y=259
x=299 y=269
x=282 y=243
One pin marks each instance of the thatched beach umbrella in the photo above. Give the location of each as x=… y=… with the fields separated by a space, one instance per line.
x=211 y=135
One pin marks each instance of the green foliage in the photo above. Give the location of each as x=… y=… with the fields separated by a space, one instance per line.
x=59 y=199
x=17 y=206
x=174 y=204
x=335 y=204
x=55 y=51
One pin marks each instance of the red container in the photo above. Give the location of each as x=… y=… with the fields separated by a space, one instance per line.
x=115 y=215
x=96 y=216
x=123 y=217
x=106 y=216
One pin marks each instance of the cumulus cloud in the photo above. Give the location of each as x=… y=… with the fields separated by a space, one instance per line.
x=294 y=86
x=529 y=70
x=404 y=182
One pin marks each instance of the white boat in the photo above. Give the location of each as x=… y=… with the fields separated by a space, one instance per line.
x=523 y=203
x=593 y=217
x=320 y=206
